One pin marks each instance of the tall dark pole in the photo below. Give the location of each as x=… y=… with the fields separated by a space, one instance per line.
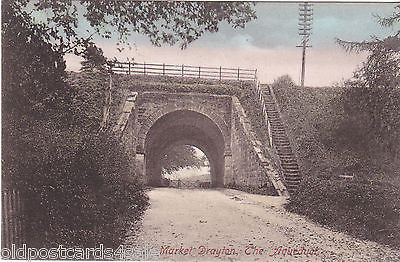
x=303 y=65
x=305 y=22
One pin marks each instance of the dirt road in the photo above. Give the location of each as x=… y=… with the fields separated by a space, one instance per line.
x=229 y=225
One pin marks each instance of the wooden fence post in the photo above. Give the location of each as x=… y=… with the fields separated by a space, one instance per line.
x=4 y=219
x=163 y=69
x=199 y=71
x=182 y=70
x=12 y=219
x=144 y=68
x=238 y=74
x=129 y=67
x=220 y=73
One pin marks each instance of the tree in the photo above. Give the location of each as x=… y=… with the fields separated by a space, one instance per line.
x=168 y=22
x=382 y=68
x=372 y=96
x=389 y=43
x=33 y=73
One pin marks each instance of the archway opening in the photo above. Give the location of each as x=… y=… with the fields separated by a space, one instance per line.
x=185 y=166
x=180 y=128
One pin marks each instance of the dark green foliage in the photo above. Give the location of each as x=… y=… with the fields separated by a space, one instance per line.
x=163 y=22
x=33 y=87
x=72 y=179
x=390 y=43
x=372 y=101
x=370 y=125
x=372 y=98
x=91 y=88
x=94 y=60
x=76 y=188
x=77 y=185
x=32 y=73
x=90 y=99
x=368 y=209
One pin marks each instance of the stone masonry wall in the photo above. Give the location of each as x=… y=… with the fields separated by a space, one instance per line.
x=125 y=128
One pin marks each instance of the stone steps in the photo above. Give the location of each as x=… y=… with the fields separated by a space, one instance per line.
x=290 y=166
x=280 y=140
x=289 y=162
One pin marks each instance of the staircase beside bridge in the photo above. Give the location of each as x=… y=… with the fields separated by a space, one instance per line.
x=280 y=140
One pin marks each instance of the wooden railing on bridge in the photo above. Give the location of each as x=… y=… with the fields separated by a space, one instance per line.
x=217 y=73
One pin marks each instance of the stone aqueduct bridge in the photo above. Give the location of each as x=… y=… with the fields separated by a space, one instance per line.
x=153 y=122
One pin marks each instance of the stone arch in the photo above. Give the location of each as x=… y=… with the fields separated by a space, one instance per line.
x=151 y=116
x=183 y=127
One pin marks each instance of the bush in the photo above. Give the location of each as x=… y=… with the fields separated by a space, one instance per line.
x=75 y=187
x=367 y=209
x=284 y=81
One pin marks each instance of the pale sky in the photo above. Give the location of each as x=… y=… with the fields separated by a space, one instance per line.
x=268 y=43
